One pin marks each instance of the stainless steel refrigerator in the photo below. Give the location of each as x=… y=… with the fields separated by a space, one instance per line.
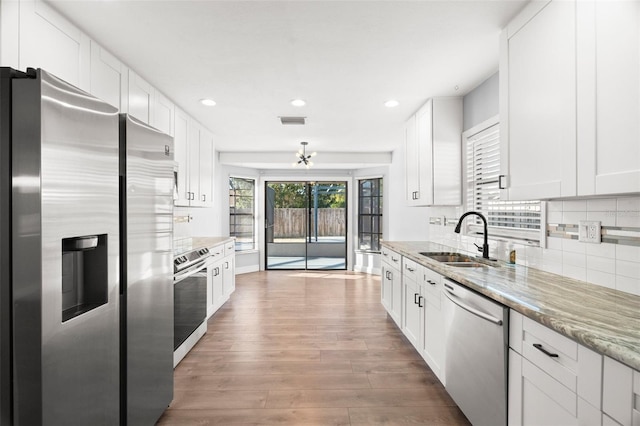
x=146 y=219
x=86 y=326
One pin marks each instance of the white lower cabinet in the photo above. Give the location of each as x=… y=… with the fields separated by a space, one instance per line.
x=620 y=394
x=412 y=303
x=220 y=277
x=552 y=379
x=432 y=335
x=423 y=320
x=391 y=288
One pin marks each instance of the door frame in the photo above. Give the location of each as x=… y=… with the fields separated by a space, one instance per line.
x=278 y=177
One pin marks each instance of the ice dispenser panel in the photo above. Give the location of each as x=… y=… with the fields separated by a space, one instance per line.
x=84 y=274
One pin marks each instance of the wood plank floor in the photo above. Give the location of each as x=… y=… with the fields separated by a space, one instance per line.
x=306 y=348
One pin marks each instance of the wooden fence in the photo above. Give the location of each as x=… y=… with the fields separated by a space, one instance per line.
x=291 y=223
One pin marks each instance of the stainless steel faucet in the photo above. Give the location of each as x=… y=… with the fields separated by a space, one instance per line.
x=485 y=247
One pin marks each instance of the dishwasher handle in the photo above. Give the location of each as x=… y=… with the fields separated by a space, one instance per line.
x=470 y=309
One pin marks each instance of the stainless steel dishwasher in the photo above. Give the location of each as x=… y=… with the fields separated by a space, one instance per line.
x=477 y=352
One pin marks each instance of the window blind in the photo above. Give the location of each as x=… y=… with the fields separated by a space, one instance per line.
x=515 y=219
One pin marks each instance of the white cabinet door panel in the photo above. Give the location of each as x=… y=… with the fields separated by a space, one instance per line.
x=541 y=104
x=206 y=169
x=50 y=42
x=163 y=113
x=617 y=151
x=109 y=77
x=140 y=94
x=412 y=162
x=181 y=144
x=411 y=311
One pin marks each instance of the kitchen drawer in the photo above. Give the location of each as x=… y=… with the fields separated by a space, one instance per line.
x=391 y=257
x=217 y=252
x=432 y=284
x=577 y=368
x=230 y=248
x=410 y=269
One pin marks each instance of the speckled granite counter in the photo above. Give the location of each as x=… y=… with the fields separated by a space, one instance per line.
x=183 y=245
x=605 y=320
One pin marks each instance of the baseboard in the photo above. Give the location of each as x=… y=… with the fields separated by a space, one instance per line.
x=247 y=269
x=367 y=270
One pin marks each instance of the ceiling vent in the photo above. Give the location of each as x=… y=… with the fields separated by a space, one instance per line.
x=286 y=121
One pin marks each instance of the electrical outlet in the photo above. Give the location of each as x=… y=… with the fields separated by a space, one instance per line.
x=590 y=231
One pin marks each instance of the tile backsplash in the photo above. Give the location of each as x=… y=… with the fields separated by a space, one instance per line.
x=614 y=263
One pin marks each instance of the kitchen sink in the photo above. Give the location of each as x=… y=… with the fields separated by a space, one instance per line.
x=457 y=260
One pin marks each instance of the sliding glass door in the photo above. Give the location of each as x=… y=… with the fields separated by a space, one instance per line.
x=306 y=225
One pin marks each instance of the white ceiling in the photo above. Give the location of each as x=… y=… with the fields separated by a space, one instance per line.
x=345 y=58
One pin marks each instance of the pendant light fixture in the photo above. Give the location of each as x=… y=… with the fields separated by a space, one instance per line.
x=302 y=156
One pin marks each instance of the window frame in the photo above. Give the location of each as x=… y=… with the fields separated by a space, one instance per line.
x=241 y=246
x=380 y=196
x=473 y=225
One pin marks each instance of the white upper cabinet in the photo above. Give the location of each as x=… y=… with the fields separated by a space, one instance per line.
x=411 y=162
x=206 y=169
x=194 y=153
x=48 y=41
x=180 y=142
x=140 y=98
x=609 y=97
x=433 y=153
x=108 y=77
x=163 y=112
x=570 y=100
x=538 y=102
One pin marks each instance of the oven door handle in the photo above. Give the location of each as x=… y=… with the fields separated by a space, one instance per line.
x=192 y=270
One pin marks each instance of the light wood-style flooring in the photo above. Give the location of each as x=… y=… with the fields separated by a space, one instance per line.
x=306 y=348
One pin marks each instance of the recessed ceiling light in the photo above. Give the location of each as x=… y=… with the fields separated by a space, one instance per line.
x=298 y=102
x=207 y=102
x=391 y=103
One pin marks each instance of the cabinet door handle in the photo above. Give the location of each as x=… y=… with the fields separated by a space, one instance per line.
x=390 y=276
x=500 y=185
x=204 y=197
x=226 y=265
x=415 y=298
x=539 y=347
x=420 y=305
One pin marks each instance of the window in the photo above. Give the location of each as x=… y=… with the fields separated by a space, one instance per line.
x=241 y=212
x=509 y=219
x=369 y=214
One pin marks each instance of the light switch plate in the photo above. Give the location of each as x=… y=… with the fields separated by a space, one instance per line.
x=590 y=231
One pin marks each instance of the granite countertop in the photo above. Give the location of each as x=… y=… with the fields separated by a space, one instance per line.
x=605 y=320
x=184 y=245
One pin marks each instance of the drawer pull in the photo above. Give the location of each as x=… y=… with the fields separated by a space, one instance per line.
x=539 y=347
x=408 y=268
x=431 y=282
x=394 y=259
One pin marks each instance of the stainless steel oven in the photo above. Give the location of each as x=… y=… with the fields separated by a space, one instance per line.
x=190 y=297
